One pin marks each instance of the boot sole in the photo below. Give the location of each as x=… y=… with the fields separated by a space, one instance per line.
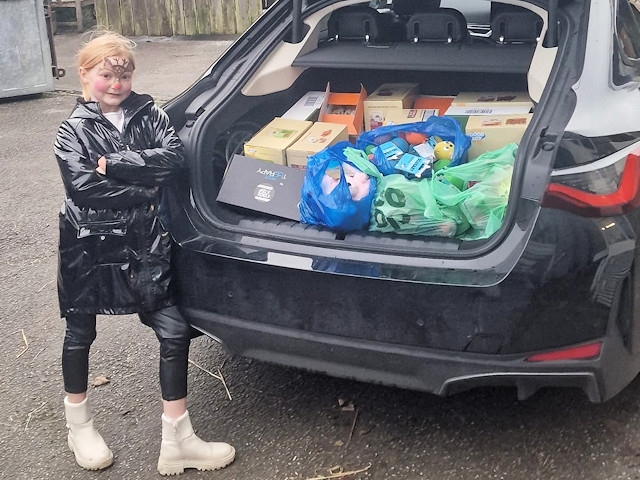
x=176 y=468
x=88 y=465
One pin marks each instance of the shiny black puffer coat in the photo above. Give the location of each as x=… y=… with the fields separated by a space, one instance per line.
x=114 y=252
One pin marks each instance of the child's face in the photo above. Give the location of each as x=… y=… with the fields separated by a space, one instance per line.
x=109 y=82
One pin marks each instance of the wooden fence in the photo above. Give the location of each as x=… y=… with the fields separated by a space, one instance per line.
x=177 y=17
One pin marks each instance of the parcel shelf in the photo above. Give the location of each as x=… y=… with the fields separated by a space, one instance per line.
x=489 y=57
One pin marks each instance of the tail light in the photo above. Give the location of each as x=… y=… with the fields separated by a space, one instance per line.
x=597 y=192
x=583 y=352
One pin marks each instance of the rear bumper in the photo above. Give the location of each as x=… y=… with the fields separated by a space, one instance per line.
x=434 y=338
x=437 y=372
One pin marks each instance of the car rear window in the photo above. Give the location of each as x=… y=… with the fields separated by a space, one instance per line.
x=627 y=43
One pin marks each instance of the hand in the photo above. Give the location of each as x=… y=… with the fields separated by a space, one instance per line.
x=102 y=165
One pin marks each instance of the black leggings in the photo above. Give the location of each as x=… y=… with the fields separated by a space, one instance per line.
x=173 y=332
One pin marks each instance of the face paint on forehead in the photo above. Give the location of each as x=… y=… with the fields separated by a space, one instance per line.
x=118 y=66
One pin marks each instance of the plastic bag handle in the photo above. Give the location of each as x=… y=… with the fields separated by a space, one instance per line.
x=360 y=160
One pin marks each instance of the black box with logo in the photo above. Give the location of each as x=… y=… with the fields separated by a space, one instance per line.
x=262 y=186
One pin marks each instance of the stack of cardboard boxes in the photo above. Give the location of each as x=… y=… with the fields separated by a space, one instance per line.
x=269 y=176
x=316 y=121
x=398 y=103
x=492 y=120
x=322 y=118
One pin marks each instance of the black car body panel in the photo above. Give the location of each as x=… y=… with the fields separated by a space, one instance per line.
x=434 y=314
x=429 y=337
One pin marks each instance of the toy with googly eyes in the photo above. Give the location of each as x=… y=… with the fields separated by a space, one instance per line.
x=443 y=150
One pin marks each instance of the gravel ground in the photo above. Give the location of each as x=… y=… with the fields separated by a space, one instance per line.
x=286 y=424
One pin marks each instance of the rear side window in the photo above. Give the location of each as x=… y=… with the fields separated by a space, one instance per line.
x=627 y=42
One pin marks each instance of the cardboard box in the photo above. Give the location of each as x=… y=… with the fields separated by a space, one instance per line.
x=470 y=104
x=470 y=111
x=318 y=137
x=347 y=109
x=272 y=141
x=411 y=115
x=438 y=104
x=263 y=187
x=308 y=107
x=490 y=103
x=491 y=132
x=387 y=98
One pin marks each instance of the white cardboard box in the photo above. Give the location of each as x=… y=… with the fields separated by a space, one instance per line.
x=409 y=115
x=490 y=103
x=309 y=106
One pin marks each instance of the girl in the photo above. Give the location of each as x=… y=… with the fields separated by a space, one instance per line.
x=116 y=152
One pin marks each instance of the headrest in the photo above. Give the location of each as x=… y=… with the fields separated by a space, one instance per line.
x=513 y=24
x=360 y=22
x=440 y=25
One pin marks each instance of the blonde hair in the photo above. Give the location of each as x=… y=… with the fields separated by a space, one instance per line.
x=104 y=44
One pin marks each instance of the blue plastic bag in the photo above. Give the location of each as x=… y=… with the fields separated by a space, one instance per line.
x=447 y=128
x=334 y=207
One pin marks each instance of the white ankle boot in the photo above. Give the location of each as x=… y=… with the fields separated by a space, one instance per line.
x=84 y=441
x=181 y=448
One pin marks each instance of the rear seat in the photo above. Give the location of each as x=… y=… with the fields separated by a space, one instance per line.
x=424 y=37
x=425 y=21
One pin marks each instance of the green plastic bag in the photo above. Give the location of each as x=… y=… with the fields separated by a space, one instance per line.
x=408 y=207
x=484 y=200
x=361 y=161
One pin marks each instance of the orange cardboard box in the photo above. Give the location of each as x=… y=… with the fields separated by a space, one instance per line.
x=347 y=109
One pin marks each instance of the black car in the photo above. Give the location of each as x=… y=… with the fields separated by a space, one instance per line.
x=547 y=300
